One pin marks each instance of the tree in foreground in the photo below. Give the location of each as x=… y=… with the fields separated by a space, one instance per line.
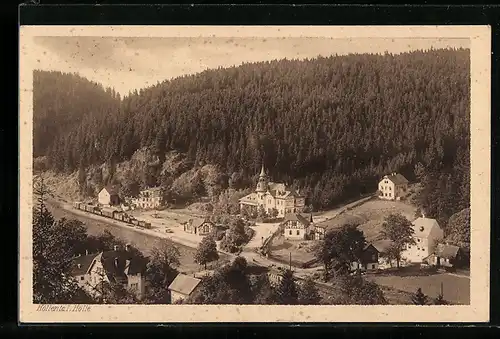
x=206 y=252
x=286 y=291
x=439 y=300
x=358 y=291
x=398 y=229
x=340 y=248
x=263 y=291
x=52 y=254
x=308 y=293
x=419 y=298
x=161 y=271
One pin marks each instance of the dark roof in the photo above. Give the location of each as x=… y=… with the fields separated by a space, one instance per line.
x=197 y=222
x=446 y=251
x=184 y=284
x=397 y=179
x=80 y=265
x=370 y=245
x=297 y=217
x=119 y=264
x=382 y=245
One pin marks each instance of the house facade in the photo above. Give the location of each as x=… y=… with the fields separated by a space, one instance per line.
x=393 y=187
x=108 y=196
x=149 y=198
x=120 y=266
x=427 y=234
x=297 y=227
x=369 y=259
x=199 y=226
x=270 y=196
x=182 y=288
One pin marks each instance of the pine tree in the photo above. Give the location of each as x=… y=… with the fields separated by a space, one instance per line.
x=308 y=293
x=419 y=298
x=286 y=291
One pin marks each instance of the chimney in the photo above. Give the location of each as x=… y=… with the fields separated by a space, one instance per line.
x=116 y=262
x=127 y=247
x=86 y=252
x=79 y=265
x=116 y=248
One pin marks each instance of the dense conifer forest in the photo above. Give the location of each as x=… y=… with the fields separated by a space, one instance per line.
x=330 y=125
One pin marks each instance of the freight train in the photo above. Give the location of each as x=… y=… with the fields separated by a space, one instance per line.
x=111 y=214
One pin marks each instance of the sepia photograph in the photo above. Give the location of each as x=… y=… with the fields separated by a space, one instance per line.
x=254 y=174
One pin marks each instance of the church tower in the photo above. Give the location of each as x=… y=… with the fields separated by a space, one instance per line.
x=263 y=181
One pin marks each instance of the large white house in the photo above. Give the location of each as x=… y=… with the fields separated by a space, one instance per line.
x=271 y=195
x=427 y=234
x=393 y=187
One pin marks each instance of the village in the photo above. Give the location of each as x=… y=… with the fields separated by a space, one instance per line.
x=282 y=236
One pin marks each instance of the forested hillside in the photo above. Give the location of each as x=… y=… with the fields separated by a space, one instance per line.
x=331 y=126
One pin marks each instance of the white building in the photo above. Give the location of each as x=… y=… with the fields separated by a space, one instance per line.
x=108 y=196
x=393 y=187
x=149 y=198
x=297 y=227
x=427 y=234
x=271 y=195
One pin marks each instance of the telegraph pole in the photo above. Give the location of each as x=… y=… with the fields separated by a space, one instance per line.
x=290 y=261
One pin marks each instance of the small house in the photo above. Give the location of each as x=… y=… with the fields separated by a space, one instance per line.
x=199 y=226
x=296 y=226
x=448 y=256
x=109 y=196
x=393 y=187
x=182 y=287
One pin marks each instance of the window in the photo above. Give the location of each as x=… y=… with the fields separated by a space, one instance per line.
x=423 y=249
x=374 y=257
x=82 y=277
x=418 y=240
x=290 y=232
x=390 y=188
x=298 y=232
x=390 y=195
x=134 y=286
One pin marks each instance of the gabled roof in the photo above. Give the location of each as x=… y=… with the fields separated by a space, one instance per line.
x=423 y=226
x=184 y=284
x=119 y=264
x=447 y=251
x=382 y=245
x=370 y=245
x=397 y=178
x=81 y=264
x=197 y=222
x=297 y=217
x=112 y=190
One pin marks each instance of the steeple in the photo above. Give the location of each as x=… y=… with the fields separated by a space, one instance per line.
x=262 y=183
x=262 y=171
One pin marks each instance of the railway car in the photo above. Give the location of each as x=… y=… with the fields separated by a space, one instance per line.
x=108 y=213
x=147 y=225
x=135 y=222
x=141 y=223
x=118 y=215
x=76 y=205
